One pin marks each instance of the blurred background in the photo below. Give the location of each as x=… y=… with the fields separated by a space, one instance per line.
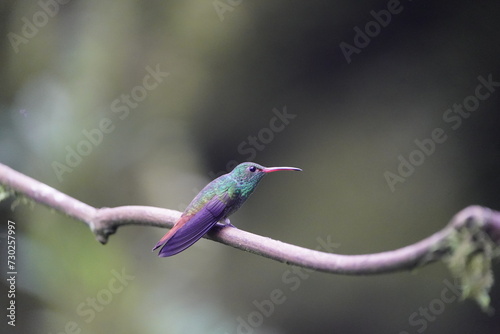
x=144 y=102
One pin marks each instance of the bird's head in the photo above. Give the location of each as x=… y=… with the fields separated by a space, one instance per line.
x=252 y=173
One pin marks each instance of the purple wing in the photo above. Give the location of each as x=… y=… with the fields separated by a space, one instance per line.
x=195 y=228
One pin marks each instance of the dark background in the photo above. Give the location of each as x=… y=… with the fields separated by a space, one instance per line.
x=227 y=73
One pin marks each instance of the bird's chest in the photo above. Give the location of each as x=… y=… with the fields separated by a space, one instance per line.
x=236 y=200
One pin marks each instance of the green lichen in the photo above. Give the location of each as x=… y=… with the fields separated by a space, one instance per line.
x=4 y=193
x=471 y=254
x=22 y=200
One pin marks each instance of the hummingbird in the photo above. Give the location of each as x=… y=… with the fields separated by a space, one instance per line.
x=214 y=203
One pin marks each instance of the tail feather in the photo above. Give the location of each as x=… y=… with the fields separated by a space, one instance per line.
x=171 y=233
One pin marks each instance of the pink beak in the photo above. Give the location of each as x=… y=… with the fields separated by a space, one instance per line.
x=275 y=169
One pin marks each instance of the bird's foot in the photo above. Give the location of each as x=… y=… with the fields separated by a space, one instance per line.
x=226 y=222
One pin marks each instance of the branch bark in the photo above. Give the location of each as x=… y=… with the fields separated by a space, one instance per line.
x=104 y=221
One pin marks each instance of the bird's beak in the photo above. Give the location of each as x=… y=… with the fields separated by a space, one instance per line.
x=275 y=169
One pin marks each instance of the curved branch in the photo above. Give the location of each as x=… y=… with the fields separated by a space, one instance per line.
x=104 y=222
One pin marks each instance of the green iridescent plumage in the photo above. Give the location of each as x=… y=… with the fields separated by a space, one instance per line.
x=216 y=202
x=233 y=188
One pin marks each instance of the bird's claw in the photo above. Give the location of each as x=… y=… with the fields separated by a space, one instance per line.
x=226 y=223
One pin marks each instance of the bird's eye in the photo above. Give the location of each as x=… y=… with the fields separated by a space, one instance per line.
x=252 y=168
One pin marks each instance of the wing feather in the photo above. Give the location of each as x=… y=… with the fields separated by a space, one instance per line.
x=193 y=228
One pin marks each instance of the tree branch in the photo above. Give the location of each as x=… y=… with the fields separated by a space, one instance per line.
x=476 y=227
